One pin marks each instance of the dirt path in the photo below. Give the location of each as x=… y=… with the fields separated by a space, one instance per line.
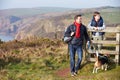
x=63 y=72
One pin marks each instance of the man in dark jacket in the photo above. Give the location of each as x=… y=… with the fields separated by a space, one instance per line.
x=78 y=32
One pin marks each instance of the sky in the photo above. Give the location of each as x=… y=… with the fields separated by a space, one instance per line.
x=7 y=4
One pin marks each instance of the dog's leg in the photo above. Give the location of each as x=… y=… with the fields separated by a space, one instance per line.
x=106 y=66
x=102 y=67
x=94 y=70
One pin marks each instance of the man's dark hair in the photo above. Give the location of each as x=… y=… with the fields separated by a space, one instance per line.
x=96 y=13
x=77 y=16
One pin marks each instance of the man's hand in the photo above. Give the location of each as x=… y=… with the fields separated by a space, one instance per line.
x=95 y=28
x=72 y=33
x=88 y=44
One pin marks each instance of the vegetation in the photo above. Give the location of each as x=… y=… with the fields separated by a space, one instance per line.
x=45 y=59
x=34 y=58
x=49 y=27
x=44 y=22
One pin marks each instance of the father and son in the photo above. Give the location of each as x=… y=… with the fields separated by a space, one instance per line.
x=76 y=33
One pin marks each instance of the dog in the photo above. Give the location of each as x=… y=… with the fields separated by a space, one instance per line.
x=101 y=62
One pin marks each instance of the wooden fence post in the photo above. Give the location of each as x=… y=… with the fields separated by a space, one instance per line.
x=117 y=57
x=115 y=42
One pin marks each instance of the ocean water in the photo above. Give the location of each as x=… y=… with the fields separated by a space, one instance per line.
x=6 y=38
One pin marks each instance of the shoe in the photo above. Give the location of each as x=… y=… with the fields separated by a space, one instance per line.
x=72 y=74
x=75 y=73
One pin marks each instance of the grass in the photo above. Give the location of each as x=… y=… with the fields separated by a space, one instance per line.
x=39 y=68
x=44 y=59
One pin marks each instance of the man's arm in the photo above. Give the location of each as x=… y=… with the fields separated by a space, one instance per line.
x=96 y=28
x=101 y=28
x=86 y=35
x=67 y=32
x=88 y=41
x=91 y=27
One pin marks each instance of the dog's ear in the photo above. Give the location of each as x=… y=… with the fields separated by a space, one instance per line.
x=94 y=54
x=108 y=55
x=97 y=53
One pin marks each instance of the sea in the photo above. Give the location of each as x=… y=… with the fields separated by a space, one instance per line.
x=6 y=38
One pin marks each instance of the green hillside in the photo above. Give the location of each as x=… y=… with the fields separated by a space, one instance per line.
x=110 y=14
x=55 y=25
x=44 y=59
x=50 y=21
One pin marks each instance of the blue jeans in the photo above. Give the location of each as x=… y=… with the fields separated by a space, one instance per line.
x=73 y=49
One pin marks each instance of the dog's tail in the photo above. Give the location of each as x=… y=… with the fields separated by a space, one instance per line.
x=97 y=54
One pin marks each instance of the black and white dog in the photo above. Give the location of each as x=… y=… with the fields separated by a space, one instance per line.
x=101 y=62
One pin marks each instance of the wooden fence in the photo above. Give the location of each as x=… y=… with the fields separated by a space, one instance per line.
x=116 y=42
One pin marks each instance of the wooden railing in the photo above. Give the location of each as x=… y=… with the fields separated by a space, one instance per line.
x=115 y=42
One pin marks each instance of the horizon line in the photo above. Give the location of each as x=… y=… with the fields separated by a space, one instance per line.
x=55 y=7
